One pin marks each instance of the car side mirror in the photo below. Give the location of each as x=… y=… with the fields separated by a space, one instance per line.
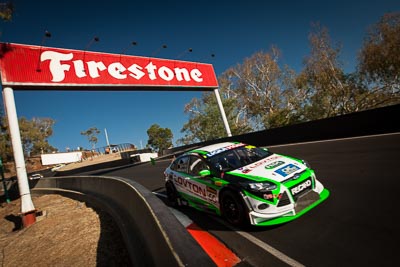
x=205 y=173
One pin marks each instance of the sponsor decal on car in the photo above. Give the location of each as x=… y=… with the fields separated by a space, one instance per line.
x=222 y=149
x=264 y=161
x=274 y=164
x=287 y=170
x=212 y=194
x=205 y=192
x=190 y=186
x=244 y=170
x=301 y=187
x=272 y=196
x=270 y=165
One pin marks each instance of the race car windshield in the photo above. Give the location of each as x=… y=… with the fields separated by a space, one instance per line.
x=238 y=157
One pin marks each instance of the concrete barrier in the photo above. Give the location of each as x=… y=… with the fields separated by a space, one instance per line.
x=152 y=234
x=368 y=122
x=91 y=167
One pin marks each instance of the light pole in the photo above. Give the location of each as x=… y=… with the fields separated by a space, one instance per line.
x=108 y=143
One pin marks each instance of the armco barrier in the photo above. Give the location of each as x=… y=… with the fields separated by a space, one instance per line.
x=152 y=234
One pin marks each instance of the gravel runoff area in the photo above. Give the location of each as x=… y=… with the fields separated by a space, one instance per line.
x=67 y=232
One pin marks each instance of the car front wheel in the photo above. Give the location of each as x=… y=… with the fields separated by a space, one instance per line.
x=172 y=194
x=233 y=209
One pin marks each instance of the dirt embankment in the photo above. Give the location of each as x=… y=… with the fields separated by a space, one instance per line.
x=68 y=233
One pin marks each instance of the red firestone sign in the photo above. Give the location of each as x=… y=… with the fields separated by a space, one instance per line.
x=35 y=67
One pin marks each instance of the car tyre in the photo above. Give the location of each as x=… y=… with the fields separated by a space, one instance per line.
x=172 y=194
x=233 y=209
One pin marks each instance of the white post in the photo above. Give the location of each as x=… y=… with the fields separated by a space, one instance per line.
x=221 y=109
x=105 y=131
x=108 y=143
x=27 y=208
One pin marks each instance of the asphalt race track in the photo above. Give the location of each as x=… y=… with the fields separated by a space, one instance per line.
x=355 y=226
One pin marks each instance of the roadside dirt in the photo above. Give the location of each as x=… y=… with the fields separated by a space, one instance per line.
x=68 y=233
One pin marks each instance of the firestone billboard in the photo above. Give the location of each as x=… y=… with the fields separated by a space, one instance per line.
x=33 y=67
x=27 y=67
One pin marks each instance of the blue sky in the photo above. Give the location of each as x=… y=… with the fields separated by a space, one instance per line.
x=231 y=30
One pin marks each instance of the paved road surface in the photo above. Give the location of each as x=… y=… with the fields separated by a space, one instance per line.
x=354 y=227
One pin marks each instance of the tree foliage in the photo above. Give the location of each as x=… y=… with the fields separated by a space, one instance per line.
x=255 y=95
x=91 y=135
x=259 y=94
x=380 y=56
x=379 y=62
x=34 y=136
x=159 y=138
x=205 y=121
x=6 y=11
x=323 y=79
x=264 y=91
x=5 y=143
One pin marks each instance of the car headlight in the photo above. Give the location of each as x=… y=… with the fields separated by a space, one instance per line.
x=306 y=163
x=261 y=187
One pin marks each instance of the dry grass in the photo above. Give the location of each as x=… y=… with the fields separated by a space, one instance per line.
x=69 y=233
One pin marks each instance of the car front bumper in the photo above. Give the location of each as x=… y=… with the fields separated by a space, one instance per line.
x=290 y=212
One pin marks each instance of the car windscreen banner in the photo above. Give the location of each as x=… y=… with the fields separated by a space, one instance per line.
x=38 y=67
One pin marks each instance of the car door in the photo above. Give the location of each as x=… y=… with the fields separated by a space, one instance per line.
x=197 y=189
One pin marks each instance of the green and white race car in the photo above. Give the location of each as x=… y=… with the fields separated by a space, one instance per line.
x=244 y=184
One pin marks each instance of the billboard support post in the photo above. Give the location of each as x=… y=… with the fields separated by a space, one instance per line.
x=27 y=208
x=221 y=109
x=108 y=143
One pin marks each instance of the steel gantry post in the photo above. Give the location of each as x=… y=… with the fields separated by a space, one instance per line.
x=221 y=109
x=27 y=208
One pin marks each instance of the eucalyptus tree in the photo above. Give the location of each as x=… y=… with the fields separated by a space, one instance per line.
x=91 y=135
x=378 y=76
x=34 y=136
x=159 y=138
x=266 y=92
x=323 y=79
x=256 y=94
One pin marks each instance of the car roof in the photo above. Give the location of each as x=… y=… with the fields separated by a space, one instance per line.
x=216 y=147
